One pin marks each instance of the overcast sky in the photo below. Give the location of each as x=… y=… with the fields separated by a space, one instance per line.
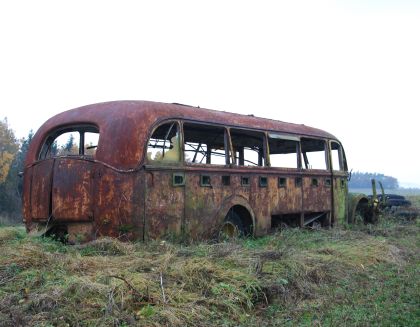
x=351 y=68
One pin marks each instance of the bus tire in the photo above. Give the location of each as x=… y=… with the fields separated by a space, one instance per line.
x=232 y=226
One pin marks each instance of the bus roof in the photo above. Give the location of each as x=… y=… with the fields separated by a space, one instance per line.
x=121 y=122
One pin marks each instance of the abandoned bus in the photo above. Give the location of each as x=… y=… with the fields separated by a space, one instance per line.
x=144 y=170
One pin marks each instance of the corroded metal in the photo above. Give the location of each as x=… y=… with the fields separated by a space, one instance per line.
x=121 y=193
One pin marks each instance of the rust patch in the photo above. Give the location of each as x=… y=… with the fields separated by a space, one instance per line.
x=72 y=190
x=40 y=196
x=164 y=205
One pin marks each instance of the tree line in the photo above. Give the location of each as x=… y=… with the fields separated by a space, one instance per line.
x=363 y=180
x=12 y=160
x=12 y=157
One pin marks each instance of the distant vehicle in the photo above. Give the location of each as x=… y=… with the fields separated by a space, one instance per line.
x=143 y=170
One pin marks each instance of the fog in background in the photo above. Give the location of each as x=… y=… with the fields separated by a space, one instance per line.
x=351 y=68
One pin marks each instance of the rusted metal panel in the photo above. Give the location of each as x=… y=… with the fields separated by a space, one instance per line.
x=286 y=199
x=118 y=204
x=340 y=197
x=72 y=191
x=259 y=198
x=202 y=202
x=41 y=189
x=26 y=201
x=164 y=211
x=80 y=232
x=316 y=193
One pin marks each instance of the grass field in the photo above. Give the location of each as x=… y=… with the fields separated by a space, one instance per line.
x=349 y=276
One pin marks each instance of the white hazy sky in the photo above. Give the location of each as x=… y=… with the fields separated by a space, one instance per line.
x=351 y=68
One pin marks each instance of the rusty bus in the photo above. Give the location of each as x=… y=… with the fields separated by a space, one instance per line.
x=145 y=170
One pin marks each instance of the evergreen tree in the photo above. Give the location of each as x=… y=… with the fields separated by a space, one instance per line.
x=69 y=145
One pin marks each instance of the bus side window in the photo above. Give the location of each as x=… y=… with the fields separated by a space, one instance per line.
x=164 y=144
x=204 y=144
x=336 y=161
x=283 y=150
x=248 y=147
x=313 y=154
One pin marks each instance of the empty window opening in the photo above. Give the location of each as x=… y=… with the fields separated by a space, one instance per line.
x=164 y=144
x=178 y=179
x=248 y=147
x=263 y=181
x=71 y=141
x=313 y=154
x=204 y=144
x=91 y=143
x=226 y=180
x=336 y=155
x=66 y=144
x=298 y=181
x=205 y=180
x=314 y=182
x=245 y=181
x=328 y=182
x=283 y=151
x=282 y=182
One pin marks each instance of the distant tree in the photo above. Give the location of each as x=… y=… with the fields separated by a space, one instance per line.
x=363 y=180
x=10 y=198
x=18 y=164
x=8 y=148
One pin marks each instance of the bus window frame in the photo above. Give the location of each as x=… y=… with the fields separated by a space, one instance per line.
x=264 y=143
x=341 y=157
x=326 y=155
x=152 y=130
x=48 y=141
x=287 y=137
x=230 y=156
x=226 y=143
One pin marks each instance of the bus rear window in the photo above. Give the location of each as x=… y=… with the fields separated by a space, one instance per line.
x=71 y=141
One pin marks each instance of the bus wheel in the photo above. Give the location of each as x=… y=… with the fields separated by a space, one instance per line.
x=232 y=226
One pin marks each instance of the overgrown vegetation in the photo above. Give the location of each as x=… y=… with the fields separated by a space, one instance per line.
x=355 y=276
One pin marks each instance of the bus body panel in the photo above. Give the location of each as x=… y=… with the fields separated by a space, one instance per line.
x=164 y=205
x=72 y=190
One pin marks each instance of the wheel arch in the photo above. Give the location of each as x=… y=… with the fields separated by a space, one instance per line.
x=242 y=207
x=356 y=203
